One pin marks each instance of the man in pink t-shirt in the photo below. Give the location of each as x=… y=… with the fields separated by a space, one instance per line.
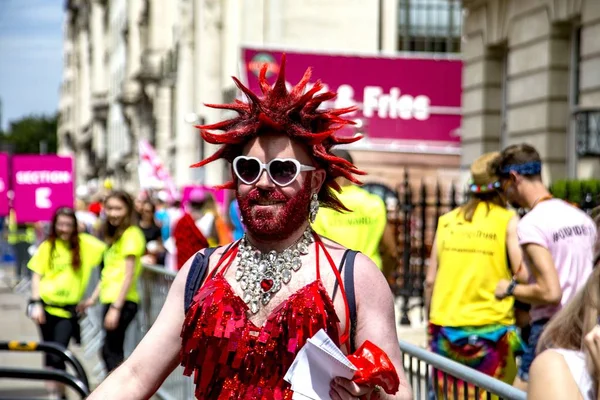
x=557 y=241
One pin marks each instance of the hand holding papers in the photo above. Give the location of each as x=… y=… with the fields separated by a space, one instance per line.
x=320 y=361
x=315 y=366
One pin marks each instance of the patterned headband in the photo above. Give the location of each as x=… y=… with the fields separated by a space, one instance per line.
x=529 y=168
x=473 y=188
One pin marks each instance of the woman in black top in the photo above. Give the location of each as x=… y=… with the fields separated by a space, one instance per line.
x=155 y=251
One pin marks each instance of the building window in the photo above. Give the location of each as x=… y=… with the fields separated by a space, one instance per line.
x=587 y=126
x=429 y=25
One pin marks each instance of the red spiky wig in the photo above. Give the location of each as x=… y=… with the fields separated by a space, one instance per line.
x=292 y=113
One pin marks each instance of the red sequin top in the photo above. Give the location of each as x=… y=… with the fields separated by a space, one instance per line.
x=231 y=357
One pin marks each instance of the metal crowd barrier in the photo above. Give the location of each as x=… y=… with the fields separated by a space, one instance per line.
x=154 y=285
x=458 y=381
x=79 y=382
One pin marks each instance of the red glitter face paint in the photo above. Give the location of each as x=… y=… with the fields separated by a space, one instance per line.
x=297 y=114
x=277 y=221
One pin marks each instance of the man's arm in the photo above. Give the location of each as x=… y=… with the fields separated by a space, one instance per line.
x=431 y=274
x=546 y=288
x=376 y=320
x=155 y=357
x=515 y=254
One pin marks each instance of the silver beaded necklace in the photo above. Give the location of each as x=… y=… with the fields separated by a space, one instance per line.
x=262 y=275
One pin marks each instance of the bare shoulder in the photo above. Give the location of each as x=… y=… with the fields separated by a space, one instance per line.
x=334 y=248
x=365 y=270
x=368 y=277
x=549 y=362
x=214 y=258
x=550 y=377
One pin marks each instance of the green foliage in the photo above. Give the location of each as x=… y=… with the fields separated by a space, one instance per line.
x=575 y=190
x=25 y=135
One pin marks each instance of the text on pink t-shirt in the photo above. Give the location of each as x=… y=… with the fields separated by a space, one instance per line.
x=569 y=234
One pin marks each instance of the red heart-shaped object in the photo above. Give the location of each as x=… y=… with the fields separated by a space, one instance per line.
x=266 y=284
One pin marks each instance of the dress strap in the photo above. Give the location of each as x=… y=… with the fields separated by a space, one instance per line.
x=345 y=339
x=196 y=275
x=341 y=269
x=226 y=259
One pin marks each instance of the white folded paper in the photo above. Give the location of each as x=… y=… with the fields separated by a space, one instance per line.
x=315 y=366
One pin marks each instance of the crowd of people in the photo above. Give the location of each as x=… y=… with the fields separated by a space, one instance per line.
x=499 y=286
x=275 y=217
x=299 y=250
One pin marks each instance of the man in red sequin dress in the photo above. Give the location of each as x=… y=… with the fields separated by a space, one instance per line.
x=263 y=296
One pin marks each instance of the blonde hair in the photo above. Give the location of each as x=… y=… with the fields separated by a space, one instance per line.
x=468 y=209
x=567 y=329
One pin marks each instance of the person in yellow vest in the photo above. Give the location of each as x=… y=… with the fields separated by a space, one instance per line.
x=20 y=237
x=118 y=288
x=61 y=266
x=475 y=246
x=363 y=227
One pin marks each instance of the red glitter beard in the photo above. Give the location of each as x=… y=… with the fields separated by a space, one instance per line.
x=270 y=224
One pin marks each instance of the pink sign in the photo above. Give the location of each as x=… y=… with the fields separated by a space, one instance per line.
x=3 y=184
x=405 y=104
x=199 y=193
x=41 y=184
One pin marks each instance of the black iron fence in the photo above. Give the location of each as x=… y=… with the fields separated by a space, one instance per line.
x=416 y=209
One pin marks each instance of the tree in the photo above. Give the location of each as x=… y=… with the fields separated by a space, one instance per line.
x=27 y=134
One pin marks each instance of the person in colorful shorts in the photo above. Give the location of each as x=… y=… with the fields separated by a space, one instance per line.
x=475 y=247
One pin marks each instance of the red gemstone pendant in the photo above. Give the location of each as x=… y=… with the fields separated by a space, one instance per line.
x=266 y=284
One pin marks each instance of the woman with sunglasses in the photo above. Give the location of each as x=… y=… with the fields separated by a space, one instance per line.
x=61 y=266
x=237 y=315
x=117 y=289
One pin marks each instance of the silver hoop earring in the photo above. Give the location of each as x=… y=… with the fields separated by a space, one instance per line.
x=314 y=208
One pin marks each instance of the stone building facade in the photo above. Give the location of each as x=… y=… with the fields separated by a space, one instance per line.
x=143 y=69
x=532 y=74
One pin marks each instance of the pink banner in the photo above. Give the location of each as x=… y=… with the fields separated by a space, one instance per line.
x=199 y=193
x=405 y=104
x=41 y=184
x=3 y=184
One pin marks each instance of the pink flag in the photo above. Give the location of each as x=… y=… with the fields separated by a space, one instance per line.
x=152 y=172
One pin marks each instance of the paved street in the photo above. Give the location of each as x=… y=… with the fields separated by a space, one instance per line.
x=16 y=326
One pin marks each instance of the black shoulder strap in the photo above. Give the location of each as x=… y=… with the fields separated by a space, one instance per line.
x=348 y=261
x=341 y=268
x=196 y=275
x=349 y=286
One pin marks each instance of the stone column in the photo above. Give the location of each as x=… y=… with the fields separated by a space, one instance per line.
x=538 y=89
x=157 y=24
x=99 y=73
x=98 y=48
x=481 y=99
x=589 y=80
x=85 y=92
x=207 y=83
x=389 y=25
x=131 y=114
x=132 y=86
x=186 y=139
x=162 y=114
